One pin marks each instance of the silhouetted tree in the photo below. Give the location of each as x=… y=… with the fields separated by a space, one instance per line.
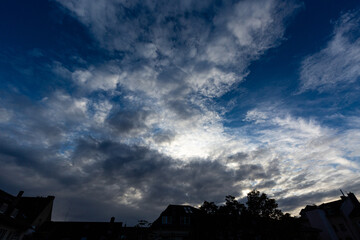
x=260 y=218
x=209 y=208
x=262 y=206
x=231 y=207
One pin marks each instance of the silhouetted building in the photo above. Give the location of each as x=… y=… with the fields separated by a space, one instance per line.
x=135 y=233
x=21 y=216
x=337 y=220
x=80 y=231
x=177 y=222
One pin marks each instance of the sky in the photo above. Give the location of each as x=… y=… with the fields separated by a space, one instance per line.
x=119 y=108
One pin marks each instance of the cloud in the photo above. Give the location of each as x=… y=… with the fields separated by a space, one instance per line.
x=291 y=156
x=96 y=80
x=123 y=175
x=5 y=115
x=140 y=126
x=163 y=137
x=261 y=27
x=175 y=44
x=308 y=154
x=336 y=65
x=129 y=122
x=174 y=59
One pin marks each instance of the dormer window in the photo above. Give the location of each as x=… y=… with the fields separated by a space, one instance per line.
x=3 y=207
x=187 y=210
x=166 y=220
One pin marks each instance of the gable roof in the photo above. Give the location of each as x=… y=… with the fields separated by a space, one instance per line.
x=31 y=207
x=172 y=210
x=177 y=211
x=21 y=212
x=334 y=208
x=5 y=197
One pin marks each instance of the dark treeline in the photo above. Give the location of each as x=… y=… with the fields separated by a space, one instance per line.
x=258 y=218
x=257 y=205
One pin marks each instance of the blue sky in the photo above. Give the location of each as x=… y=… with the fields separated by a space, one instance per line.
x=123 y=107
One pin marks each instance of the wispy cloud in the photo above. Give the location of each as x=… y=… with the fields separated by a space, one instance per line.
x=178 y=48
x=336 y=65
x=309 y=155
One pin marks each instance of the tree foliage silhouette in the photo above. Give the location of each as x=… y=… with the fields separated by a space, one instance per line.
x=209 y=208
x=231 y=207
x=257 y=205
x=261 y=206
x=258 y=218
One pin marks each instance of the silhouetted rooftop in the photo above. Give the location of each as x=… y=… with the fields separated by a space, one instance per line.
x=23 y=211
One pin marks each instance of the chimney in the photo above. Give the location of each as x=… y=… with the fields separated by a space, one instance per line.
x=112 y=220
x=17 y=199
x=20 y=194
x=14 y=203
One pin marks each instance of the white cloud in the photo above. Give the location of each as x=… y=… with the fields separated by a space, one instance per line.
x=175 y=74
x=338 y=63
x=202 y=136
x=303 y=147
x=101 y=111
x=5 y=115
x=234 y=37
x=147 y=50
x=62 y=105
x=221 y=51
x=254 y=23
x=81 y=76
x=256 y=116
x=213 y=82
x=96 y=79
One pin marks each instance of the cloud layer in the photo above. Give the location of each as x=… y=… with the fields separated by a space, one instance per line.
x=139 y=123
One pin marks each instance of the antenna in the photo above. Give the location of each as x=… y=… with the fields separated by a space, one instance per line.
x=342 y=193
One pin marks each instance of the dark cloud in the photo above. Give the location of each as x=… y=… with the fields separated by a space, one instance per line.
x=250 y=171
x=163 y=179
x=37 y=161
x=172 y=76
x=314 y=197
x=238 y=157
x=266 y=184
x=129 y=122
x=158 y=179
x=182 y=108
x=299 y=178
